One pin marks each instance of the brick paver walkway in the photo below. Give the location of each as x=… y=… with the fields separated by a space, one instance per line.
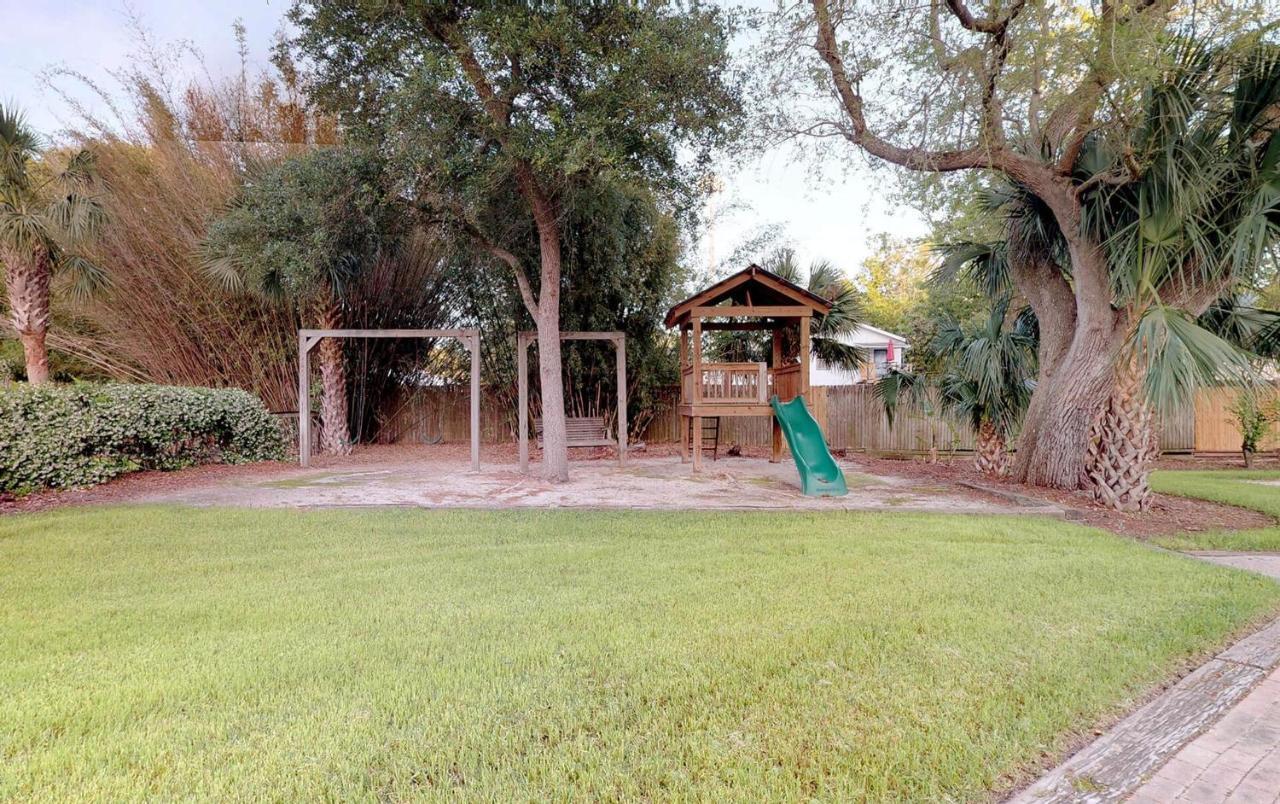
x=1237 y=760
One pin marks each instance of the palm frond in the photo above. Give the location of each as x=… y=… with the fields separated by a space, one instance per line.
x=223 y=270
x=80 y=173
x=1180 y=356
x=784 y=263
x=78 y=218
x=836 y=354
x=24 y=231
x=87 y=278
x=900 y=389
x=985 y=265
x=19 y=144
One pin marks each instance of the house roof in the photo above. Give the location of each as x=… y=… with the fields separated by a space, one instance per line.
x=752 y=286
x=886 y=333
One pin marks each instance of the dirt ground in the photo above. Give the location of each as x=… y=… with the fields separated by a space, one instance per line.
x=440 y=476
x=654 y=478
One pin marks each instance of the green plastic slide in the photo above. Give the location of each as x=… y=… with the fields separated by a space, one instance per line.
x=820 y=475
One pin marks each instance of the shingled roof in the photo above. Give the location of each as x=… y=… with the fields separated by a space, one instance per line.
x=753 y=286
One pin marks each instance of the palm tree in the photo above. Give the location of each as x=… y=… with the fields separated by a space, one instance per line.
x=986 y=378
x=1187 y=214
x=825 y=280
x=45 y=214
x=303 y=231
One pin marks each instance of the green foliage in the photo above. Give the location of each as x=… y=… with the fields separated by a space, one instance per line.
x=484 y=108
x=49 y=207
x=1178 y=356
x=79 y=435
x=1254 y=411
x=583 y=90
x=982 y=374
x=991 y=369
x=306 y=228
x=621 y=270
x=891 y=284
x=162 y=653
x=901 y=389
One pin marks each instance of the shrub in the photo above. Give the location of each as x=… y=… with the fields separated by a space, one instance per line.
x=79 y=435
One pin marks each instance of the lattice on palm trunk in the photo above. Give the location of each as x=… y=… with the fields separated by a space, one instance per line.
x=1123 y=446
x=991 y=457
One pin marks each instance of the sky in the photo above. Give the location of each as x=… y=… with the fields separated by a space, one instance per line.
x=835 y=219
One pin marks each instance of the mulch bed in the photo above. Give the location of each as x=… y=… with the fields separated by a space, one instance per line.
x=128 y=488
x=1168 y=514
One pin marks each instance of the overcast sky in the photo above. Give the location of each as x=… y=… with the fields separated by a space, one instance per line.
x=835 y=219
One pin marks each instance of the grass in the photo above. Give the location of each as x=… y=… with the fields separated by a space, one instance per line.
x=1233 y=487
x=167 y=653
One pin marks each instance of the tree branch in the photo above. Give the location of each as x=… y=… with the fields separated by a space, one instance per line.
x=986 y=25
x=1074 y=115
x=995 y=156
x=462 y=220
x=860 y=135
x=498 y=108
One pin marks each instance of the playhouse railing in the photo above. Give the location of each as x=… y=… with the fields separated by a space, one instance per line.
x=732 y=383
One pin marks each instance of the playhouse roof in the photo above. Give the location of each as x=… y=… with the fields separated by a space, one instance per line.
x=753 y=287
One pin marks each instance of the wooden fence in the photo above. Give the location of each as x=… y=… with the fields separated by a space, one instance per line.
x=851 y=418
x=1215 y=427
x=436 y=415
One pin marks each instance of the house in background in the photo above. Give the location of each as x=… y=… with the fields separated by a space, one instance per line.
x=884 y=349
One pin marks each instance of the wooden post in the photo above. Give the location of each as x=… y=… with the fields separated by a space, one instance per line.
x=522 y=373
x=804 y=357
x=775 y=442
x=697 y=360
x=684 y=438
x=475 y=401
x=684 y=349
x=696 y=425
x=620 y=345
x=304 y=400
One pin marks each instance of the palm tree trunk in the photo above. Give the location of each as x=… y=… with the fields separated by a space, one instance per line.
x=335 y=438
x=27 y=282
x=991 y=457
x=1123 y=446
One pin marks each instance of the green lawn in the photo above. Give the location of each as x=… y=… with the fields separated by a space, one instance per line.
x=1233 y=487
x=167 y=653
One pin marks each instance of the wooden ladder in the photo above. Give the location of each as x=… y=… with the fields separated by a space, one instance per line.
x=711 y=433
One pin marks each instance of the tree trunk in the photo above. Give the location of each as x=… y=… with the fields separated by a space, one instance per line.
x=1054 y=442
x=555 y=440
x=1123 y=446
x=335 y=438
x=27 y=282
x=991 y=457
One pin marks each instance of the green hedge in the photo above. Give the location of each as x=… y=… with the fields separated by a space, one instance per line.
x=60 y=436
